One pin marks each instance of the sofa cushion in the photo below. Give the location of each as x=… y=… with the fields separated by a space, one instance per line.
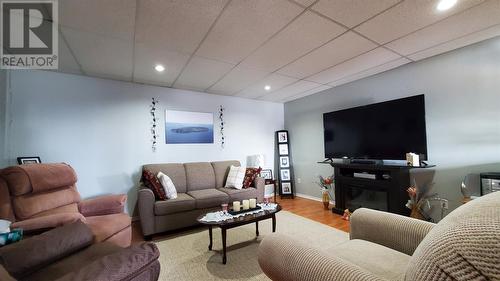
x=221 y=169
x=106 y=226
x=250 y=175
x=182 y=203
x=208 y=198
x=386 y=263
x=168 y=185
x=235 y=177
x=239 y=194
x=199 y=176
x=152 y=182
x=176 y=172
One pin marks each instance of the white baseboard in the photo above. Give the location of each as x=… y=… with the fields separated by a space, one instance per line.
x=312 y=197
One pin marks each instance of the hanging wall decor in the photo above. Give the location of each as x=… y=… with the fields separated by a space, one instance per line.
x=154 y=103
x=221 y=119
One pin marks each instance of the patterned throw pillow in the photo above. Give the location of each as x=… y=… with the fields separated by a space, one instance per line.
x=250 y=175
x=168 y=185
x=152 y=182
x=235 y=177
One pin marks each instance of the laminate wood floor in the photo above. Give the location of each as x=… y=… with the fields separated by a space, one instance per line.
x=300 y=206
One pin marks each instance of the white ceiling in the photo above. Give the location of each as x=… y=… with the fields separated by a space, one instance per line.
x=236 y=47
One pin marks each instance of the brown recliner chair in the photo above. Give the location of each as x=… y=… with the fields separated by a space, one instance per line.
x=68 y=253
x=38 y=197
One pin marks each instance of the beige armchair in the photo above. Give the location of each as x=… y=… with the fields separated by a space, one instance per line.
x=465 y=245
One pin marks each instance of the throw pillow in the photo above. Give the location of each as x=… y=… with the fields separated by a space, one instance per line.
x=168 y=185
x=152 y=182
x=250 y=175
x=235 y=177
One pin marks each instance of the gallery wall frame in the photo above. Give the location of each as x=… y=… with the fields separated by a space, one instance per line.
x=284 y=167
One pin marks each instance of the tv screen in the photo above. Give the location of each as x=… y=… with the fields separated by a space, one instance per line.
x=386 y=130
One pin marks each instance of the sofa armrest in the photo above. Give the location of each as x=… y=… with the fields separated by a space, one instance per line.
x=287 y=259
x=103 y=205
x=27 y=256
x=260 y=184
x=397 y=232
x=146 y=204
x=39 y=224
x=127 y=264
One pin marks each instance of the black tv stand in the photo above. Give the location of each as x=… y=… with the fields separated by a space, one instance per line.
x=374 y=185
x=365 y=161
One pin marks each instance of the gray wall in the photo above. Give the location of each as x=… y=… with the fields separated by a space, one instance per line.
x=462 y=91
x=102 y=127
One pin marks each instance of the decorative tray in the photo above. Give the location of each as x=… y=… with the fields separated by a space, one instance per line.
x=244 y=211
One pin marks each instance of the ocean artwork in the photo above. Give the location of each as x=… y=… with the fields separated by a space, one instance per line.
x=188 y=127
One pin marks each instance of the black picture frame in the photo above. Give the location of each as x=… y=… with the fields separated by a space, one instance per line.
x=286 y=188
x=28 y=160
x=267 y=174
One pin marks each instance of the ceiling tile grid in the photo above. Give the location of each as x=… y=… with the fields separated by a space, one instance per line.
x=407 y=17
x=352 y=12
x=237 y=47
x=368 y=60
x=304 y=34
x=336 y=51
x=258 y=89
x=244 y=26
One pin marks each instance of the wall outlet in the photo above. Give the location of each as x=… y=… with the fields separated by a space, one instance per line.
x=299 y=180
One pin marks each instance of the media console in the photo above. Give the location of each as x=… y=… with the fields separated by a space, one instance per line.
x=380 y=187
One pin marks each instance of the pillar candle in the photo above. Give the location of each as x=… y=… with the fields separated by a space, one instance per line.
x=236 y=206
x=246 y=204
x=253 y=203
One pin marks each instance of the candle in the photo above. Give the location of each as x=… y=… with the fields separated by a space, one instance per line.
x=246 y=204
x=236 y=206
x=253 y=203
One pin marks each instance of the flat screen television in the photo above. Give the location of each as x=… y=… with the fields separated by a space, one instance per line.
x=381 y=131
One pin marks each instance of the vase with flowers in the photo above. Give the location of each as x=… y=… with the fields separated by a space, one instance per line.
x=327 y=185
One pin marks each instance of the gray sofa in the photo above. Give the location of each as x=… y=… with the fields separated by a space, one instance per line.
x=200 y=188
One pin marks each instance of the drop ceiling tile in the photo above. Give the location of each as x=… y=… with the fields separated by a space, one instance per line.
x=290 y=91
x=245 y=25
x=274 y=80
x=408 y=17
x=472 y=20
x=337 y=51
x=115 y=18
x=236 y=80
x=372 y=71
x=352 y=12
x=177 y=26
x=305 y=3
x=100 y=55
x=145 y=60
x=368 y=60
x=201 y=73
x=307 y=32
x=308 y=93
x=466 y=40
x=67 y=62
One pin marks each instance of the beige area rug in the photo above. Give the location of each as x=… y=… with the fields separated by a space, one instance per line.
x=185 y=256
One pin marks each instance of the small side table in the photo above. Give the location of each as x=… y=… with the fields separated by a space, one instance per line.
x=275 y=185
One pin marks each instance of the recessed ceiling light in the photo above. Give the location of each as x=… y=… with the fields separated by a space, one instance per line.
x=159 y=68
x=444 y=5
x=267 y=87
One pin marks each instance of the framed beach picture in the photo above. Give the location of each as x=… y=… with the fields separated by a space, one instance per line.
x=283 y=149
x=183 y=127
x=284 y=161
x=285 y=174
x=286 y=188
x=282 y=137
x=267 y=174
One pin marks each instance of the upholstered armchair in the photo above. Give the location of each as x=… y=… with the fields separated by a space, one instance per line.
x=38 y=197
x=69 y=253
x=384 y=246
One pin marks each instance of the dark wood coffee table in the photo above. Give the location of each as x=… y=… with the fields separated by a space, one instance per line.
x=231 y=223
